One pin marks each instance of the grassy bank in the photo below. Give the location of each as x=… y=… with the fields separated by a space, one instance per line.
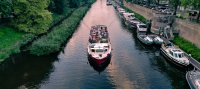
x=140 y=17
x=52 y=42
x=188 y=47
x=11 y=41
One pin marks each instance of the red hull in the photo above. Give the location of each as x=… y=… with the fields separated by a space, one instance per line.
x=100 y=61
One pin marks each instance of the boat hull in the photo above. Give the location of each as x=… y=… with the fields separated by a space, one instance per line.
x=164 y=53
x=99 y=62
x=190 y=82
x=143 y=41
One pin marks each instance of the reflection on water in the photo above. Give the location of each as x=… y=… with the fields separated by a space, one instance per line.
x=30 y=72
x=132 y=66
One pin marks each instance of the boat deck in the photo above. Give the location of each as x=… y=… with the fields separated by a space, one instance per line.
x=98 y=34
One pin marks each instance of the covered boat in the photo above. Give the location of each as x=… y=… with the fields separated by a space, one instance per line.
x=99 y=46
x=174 y=54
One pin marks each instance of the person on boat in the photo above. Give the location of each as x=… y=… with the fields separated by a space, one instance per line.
x=149 y=27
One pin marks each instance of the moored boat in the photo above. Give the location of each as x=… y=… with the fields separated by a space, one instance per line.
x=193 y=79
x=174 y=54
x=141 y=34
x=156 y=39
x=99 y=46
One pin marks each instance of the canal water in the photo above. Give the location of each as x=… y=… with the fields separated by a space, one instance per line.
x=132 y=65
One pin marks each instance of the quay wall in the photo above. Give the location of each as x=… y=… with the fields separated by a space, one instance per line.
x=188 y=30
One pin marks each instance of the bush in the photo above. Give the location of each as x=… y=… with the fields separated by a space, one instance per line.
x=188 y=47
x=52 y=42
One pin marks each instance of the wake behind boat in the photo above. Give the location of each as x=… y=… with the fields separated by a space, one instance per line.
x=99 y=46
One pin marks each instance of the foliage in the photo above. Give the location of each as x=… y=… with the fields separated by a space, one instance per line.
x=5 y=8
x=52 y=42
x=74 y=3
x=175 y=4
x=31 y=16
x=11 y=41
x=188 y=47
x=196 y=4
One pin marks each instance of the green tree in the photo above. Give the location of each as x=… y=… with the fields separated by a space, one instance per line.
x=31 y=15
x=74 y=3
x=175 y=4
x=196 y=5
x=5 y=8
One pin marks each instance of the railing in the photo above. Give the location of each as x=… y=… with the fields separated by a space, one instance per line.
x=194 y=62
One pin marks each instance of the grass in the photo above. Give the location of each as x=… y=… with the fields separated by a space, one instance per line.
x=188 y=47
x=11 y=41
x=53 y=41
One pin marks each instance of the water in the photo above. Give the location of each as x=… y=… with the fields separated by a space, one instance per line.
x=132 y=65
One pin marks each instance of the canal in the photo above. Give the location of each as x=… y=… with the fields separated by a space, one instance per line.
x=132 y=65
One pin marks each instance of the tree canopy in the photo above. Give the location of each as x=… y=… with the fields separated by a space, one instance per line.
x=31 y=15
x=5 y=8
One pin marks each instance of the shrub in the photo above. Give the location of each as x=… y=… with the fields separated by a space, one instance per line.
x=188 y=47
x=52 y=42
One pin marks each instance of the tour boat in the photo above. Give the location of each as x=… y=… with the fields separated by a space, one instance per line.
x=99 y=46
x=174 y=54
x=193 y=79
x=141 y=34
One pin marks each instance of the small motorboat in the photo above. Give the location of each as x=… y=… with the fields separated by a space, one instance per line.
x=99 y=46
x=193 y=79
x=141 y=34
x=174 y=54
x=156 y=39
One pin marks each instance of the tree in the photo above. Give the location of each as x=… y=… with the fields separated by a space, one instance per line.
x=5 y=8
x=74 y=3
x=59 y=6
x=175 y=4
x=31 y=15
x=196 y=5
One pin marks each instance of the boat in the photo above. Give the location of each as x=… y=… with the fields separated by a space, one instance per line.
x=127 y=15
x=99 y=46
x=156 y=39
x=132 y=22
x=193 y=79
x=141 y=34
x=174 y=54
x=108 y=2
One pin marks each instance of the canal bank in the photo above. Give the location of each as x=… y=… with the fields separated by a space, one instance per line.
x=188 y=30
x=132 y=65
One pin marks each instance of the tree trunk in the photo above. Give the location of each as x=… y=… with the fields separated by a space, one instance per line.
x=198 y=16
x=158 y=1
x=176 y=6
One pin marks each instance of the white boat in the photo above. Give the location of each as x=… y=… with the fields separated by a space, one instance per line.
x=127 y=15
x=99 y=46
x=193 y=79
x=174 y=54
x=156 y=39
x=133 y=22
x=108 y=2
x=141 y=34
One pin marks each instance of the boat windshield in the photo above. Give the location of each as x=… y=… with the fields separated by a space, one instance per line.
x=99 y=50
x=180 y=55
x=143 y=26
